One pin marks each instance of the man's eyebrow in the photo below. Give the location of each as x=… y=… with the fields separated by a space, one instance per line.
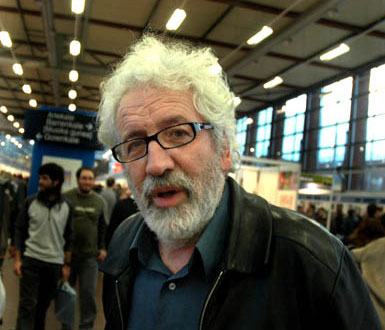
x=138 y=133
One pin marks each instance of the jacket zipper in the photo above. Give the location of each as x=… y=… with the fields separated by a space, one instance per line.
x=208 y=299
x=119 y=303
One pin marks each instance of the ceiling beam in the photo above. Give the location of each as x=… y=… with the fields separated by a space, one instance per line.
x=50 y=36
x=307 y=18
x=295 y=15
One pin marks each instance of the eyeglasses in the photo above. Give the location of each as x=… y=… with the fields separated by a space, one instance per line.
x=168 y=138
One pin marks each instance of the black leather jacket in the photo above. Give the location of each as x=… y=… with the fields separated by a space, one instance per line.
x=280 y=271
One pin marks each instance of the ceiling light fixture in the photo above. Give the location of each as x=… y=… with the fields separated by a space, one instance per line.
x=16 y=124
x=215 y=69
x=237 y=101
x=2 y=143
x=273 y=83
x=5 y=39
x=31 y=142
x=72 y=94
x=176 y=19
x=10 y=117
x=77 y=6
x=7 y=136
x=335 y=52
x=261 y=35
x=18 y=69
x=73 y=75
x=21 y=130
x=75 y=47
x=3 y=109
x=27 y=89
x=249 y=121
x=72 y=107
x=32 y=103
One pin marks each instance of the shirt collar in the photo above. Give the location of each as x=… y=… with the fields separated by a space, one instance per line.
x=211 y=244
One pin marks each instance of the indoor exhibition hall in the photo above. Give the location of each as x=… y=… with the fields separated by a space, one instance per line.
x=289 y=96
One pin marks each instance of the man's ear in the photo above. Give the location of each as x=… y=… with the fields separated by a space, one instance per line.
x=226 y=159
x=55 y=182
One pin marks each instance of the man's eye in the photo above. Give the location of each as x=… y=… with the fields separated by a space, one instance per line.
x=134 y=147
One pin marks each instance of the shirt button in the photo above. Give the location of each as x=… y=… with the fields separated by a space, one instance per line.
x=172 y=286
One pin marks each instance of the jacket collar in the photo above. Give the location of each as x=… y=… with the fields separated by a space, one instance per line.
x=250 y=232
x=248 y=242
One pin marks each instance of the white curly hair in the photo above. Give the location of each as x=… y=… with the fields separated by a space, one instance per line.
x=175 y=66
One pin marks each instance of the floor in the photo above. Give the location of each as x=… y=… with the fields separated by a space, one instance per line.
x=11 y=283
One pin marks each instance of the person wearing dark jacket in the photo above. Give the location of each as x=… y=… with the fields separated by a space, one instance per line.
x=43 y=243
x=202 y=253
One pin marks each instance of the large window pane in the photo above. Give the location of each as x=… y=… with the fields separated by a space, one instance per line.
x=375 y=132
x=334 y=121
x=293 y=127
x=263 y=132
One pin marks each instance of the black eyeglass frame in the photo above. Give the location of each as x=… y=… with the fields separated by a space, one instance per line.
x=196 y=127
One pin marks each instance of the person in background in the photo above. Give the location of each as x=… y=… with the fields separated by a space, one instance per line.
x=349 y=224
x=109 y=195
x=371 y=261
x=43 y=239
x=202 y=253
x=122 y=210
x=89 y=244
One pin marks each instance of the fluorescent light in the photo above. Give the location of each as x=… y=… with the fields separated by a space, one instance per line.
x=75 y=47
x=215 y=69
x=10 y=117
x=176 y=19
x=252 y=149
x=7 y=136
x=249 y=121
x=27 y=89
x=2 y=143
x=72 y=94
x=273 y=83
x=77 y=6
x=31 y=142
x=338 y=51
x=261 y=35
x=5 y=39
x=72 y=107
x=73 y=75
x=237 y=101
x=3 y=109
x=18 y=69
x=16 y=124
x=13 y=140
x=32 y=103
x=20 y=146
x=21 y=130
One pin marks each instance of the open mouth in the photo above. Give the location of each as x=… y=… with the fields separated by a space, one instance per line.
x=168 y=196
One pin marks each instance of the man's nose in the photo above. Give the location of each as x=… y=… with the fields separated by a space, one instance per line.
x=158 y=160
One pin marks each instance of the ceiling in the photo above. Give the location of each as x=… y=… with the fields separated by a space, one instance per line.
x=303 y=29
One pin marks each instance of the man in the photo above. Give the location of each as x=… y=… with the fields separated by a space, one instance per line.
x=109 y=196
x=43 y=234
x=203 y=253
x=122 y=210
x=89 y=242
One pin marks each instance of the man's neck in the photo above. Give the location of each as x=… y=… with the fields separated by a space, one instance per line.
x=175 y=258
x=84 y=193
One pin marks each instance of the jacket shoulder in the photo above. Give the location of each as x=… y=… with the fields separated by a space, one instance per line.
x=119 y=247
x=307 y=236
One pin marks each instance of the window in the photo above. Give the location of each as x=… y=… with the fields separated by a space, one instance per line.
x=293 y=127
x=263 y=132
x=375 y=132
x=241 y=134
x=334 y=122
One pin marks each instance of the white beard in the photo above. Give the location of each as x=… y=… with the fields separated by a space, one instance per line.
x=182 y=225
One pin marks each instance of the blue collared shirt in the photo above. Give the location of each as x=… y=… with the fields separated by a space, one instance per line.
x=164 y=301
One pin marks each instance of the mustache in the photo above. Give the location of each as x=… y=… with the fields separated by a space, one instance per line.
x=180 y=180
